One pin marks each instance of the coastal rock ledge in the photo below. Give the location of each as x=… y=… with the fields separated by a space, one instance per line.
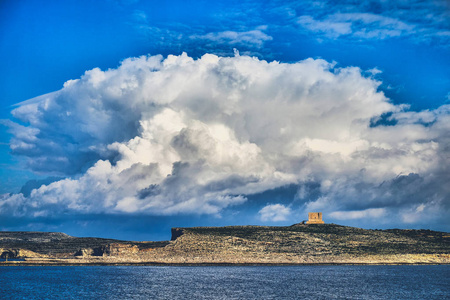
x=296 y=244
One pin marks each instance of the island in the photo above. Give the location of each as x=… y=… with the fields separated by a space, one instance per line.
x=302 y=243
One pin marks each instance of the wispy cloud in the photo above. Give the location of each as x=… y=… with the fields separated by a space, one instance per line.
x=419 y=21
x=358 y=25
x=192 y=37
x=359 y=214
x=163 y=36
x=255 y=38
x=328 y=27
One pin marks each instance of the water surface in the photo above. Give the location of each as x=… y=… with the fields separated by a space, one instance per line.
x=220 y=282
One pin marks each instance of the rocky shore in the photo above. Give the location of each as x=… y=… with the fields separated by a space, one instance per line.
x=234 y=245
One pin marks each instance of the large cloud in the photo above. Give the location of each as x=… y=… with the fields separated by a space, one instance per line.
x=178 y=135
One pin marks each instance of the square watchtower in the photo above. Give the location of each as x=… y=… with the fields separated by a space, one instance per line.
x=315 y=218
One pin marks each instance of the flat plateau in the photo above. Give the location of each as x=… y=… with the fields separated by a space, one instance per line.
x=299 y=244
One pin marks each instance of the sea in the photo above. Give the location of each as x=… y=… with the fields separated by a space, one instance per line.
x=225 y=282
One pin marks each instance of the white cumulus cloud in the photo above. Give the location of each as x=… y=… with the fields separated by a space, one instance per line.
x=274 y=213
x=178 y=135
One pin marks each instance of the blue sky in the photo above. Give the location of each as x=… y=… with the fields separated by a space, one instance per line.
x=358 y=89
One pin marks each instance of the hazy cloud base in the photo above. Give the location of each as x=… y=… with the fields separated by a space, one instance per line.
x=177 y=135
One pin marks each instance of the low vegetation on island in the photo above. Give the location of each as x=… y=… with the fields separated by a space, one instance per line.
x=296 y=244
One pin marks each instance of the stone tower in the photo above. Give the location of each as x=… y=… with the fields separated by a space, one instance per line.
x=315 y=218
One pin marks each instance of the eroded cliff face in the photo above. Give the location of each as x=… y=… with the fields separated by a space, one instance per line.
x=110 y=249
x=6 y=253
x=300 y=243
x=9 y=253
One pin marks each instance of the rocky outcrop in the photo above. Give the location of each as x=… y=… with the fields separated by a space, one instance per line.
x=9 y=253
x=118 y=249
x=99 y=251
x=18 y=253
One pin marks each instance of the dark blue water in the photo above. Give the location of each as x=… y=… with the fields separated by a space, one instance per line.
x=285 y=282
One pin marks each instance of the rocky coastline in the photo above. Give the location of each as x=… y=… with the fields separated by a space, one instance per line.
x=313 y=244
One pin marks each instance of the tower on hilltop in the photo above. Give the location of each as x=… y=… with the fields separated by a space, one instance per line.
x=315 y=218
